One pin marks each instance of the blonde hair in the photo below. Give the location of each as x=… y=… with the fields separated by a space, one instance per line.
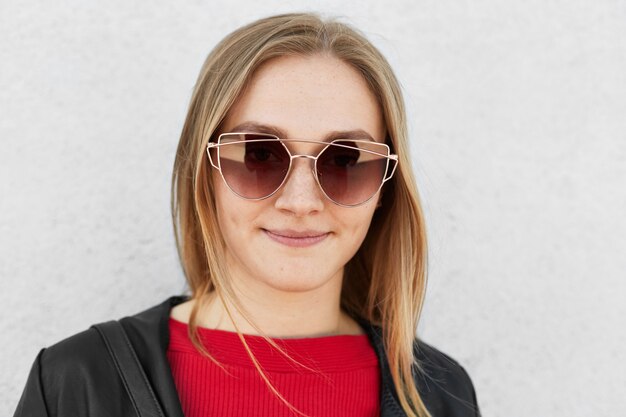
x=385 y=281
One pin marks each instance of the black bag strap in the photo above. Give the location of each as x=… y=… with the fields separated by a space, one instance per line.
x=130 y=370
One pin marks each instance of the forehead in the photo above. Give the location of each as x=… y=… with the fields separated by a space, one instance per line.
x=308 y=97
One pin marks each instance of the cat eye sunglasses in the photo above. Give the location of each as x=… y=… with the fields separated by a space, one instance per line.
x=256 y=165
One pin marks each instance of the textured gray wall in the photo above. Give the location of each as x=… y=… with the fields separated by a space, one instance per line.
x=517 y=112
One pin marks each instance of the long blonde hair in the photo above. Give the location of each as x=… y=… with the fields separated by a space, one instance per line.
x=385 y=281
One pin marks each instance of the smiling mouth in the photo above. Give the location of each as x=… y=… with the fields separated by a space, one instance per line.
x=295 y=238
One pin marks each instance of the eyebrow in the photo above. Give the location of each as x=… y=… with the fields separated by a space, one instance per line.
x=273 y=130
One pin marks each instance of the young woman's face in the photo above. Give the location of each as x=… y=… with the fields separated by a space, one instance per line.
x=297 y=240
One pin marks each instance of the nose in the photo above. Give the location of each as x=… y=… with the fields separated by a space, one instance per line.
x=300 y=195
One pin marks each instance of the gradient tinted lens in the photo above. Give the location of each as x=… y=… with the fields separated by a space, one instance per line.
x=350 y=173
x=253 y=165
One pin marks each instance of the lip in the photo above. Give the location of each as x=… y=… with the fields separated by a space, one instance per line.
x=297 y=238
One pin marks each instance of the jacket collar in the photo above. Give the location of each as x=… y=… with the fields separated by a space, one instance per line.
x=389 y=403
x=148 y=332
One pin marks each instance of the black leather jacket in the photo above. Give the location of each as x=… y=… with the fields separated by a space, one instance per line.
x=76 y=377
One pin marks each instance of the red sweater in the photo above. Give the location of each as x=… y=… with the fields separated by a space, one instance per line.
x=343 y=379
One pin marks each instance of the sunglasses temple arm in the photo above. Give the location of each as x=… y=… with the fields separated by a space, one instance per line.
x=393 y=159
x=210 y=146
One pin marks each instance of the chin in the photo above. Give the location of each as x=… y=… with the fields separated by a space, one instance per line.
x=299 y=283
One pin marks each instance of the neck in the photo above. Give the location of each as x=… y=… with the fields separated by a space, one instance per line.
x=281 y=320
x=276 y=314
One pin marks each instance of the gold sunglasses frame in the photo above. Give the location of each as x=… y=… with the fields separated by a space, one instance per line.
x=389 y=157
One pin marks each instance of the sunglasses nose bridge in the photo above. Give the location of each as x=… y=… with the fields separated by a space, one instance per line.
x=311 y=157
x=300 y=191
x=313 y=161
x=304 y=156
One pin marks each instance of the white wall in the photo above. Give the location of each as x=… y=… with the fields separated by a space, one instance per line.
x=517 y=113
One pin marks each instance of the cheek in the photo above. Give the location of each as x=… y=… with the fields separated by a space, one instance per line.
x=358 y=220
x=234 y=214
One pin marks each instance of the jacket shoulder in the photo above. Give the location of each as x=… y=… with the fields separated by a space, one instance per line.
x=445 y=386
x=85 y=354
x=70 y=377
x=74 y=353
x=76 y=376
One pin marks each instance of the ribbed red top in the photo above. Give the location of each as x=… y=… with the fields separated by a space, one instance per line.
x=343 y=378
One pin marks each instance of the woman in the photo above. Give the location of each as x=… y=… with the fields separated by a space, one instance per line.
x=298 y=225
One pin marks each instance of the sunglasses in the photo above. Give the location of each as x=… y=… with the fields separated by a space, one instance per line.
x=256 y=165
